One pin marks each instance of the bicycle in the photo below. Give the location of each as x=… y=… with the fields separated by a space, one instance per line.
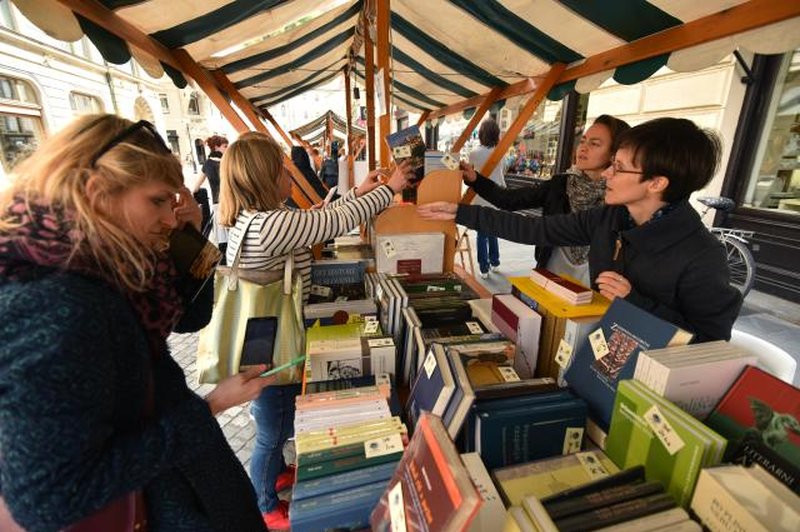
x=741 y=263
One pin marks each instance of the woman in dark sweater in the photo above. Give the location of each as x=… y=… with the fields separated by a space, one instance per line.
x=581 y=187
x=94 y=412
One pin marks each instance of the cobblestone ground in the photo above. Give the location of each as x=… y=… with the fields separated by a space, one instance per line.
x=236 y=424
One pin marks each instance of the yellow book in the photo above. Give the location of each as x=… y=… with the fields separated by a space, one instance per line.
x=339 y=441
x=482 y=373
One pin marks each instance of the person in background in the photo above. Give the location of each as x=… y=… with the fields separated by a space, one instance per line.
x=217 y=144
x=488 y=135
x=254 y=180
x=302 y=162
x=92 y=406
x=647 y=244
x=581 y=187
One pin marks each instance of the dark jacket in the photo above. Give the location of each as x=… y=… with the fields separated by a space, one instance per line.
x=303 y=163
x=211 y=171
x=677 y=268
x=74 y=373
x=550 y=195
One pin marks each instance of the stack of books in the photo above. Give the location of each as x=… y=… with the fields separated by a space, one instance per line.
x=673 y=446
x=694 y=377
x=570 y=291
x=347 y=351
x=348 y=445
x=337 y=293
x=734 y=497
x=626 y=501
x=350 y=247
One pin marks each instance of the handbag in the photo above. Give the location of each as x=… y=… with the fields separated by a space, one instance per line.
x=243 y=294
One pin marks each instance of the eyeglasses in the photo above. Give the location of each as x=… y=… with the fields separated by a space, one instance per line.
x=127 y=132
x=615 y=170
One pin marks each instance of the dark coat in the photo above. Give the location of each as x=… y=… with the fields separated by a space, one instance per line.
x=677 y=268
x=550 y=195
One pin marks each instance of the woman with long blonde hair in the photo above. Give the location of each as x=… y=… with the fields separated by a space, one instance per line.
x=96 y=421
x=255 y=185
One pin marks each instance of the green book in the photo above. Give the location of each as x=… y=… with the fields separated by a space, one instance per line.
x=340 y=465
x=672 y=446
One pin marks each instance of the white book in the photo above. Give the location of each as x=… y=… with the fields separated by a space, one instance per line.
x=667 y=518
x=522 y=325
x=641 y=372
x=410 y=253
x=576 y=331
x=492 y=511
x=517 y=520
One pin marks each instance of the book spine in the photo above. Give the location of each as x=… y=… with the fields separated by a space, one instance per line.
x=527 y=300
x=617 y=513
x=627 y=476
x=607 y=497
x=344 y=481
x=341 y=465
x=719 y=510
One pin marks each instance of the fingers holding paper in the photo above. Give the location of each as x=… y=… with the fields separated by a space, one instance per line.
x=438 y=210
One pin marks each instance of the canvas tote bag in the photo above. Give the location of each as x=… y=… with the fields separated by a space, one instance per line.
x=243 y=294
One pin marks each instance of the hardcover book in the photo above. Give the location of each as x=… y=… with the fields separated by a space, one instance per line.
x=522 y=325
x=408 y=145
x=195 y=259
x=347 y=510
x=433 y=387
x=626 y=330
x=760 y=415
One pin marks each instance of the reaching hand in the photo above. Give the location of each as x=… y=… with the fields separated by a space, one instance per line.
x=399 y=178
x=438 y=210
x=613 y=285
x=317 y=206
x=187 y=210
x=238 y=389
x=371 y=182
x=468 y=174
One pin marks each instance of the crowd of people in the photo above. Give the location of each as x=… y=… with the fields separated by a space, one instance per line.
x=97 y=424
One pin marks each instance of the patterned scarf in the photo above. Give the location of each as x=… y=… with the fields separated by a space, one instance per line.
x=583 y=193
x=42 y=241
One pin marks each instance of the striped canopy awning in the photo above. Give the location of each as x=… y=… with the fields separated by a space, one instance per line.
x=441 y=52
x=321 y=123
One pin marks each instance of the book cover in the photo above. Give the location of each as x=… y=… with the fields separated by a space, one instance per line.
x=408 y=145
x=348 y=509
x=667 y=520
x=433 y=387
x=462 y=400
x=627 y=330
x=431 y=487
x=599 y=499
x=522 y=325
x=195 y=259
x=760 y=416
x=616 y=513
x=343 y=481
x=413 y=253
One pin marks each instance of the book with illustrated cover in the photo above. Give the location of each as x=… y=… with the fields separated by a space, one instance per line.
x=431 y=489
x=611 y=351
x=415 y=253
x=760 y=415
x=433 y=387
x=408 y=145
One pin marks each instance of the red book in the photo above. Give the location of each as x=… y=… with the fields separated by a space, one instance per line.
x=760 y=416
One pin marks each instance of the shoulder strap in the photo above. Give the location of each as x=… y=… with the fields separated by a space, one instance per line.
x=233 y=276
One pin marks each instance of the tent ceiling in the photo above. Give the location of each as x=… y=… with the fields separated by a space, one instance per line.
x=442 y=51
x=321 y=123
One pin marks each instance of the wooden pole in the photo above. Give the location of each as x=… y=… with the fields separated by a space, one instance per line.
x=476 y=118
x=511 y=135
x=384 y=121
x=348 y=104
x=369 y=87
x=268 y=116
x=423 y=117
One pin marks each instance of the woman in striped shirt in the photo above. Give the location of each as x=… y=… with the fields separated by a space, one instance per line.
x=254 y=179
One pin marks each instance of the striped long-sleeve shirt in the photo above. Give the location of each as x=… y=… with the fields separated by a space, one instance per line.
x=274 y=234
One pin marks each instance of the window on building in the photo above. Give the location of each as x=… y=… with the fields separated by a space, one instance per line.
x=164 y=103
x=194 y=104
x=6 y=18
x=173 y=140
x=775 y=181
x=199 y=148
x=85 y=103
x=20 y=120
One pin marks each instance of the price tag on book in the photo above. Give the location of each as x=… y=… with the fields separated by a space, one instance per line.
x=380 y=342
x=564 y=354
x=430 y=364
x=383 y=379
x=573 y=437
x=508 y=373
x=434 y=288
x=319 y=290
x=592 y=465
x=382 y=446
x=598 y=342
x=663 y=430
x=370 y=327
x=474 y=328
x=400 y=152
x=397 y=510
x=450 y=161
x=389 y=248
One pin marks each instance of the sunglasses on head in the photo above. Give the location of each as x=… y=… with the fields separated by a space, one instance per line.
x=127 y=132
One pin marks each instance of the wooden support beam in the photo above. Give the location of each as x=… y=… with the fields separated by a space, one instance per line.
x=369 y=87
x=511 y=135
x=268 y=116
x=476 y=118
x=384 y=121
x=423 y=117
x=241 y=102
x=348 y=105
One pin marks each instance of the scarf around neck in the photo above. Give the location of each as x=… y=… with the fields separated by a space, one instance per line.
x=42 y=242
x=582 y=193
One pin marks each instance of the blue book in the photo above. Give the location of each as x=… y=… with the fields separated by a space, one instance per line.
x=627 y=330
x=331 y=273
x=307 y=489
x=531 y=432
x=348 y=509
x=433 y=388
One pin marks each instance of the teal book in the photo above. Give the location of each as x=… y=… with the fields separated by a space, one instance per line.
x=626 y=330
x=343 y=481
x=671 y=445
x=347 y=510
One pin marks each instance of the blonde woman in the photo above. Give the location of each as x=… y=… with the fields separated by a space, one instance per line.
x=93 y=410
x=254 y=180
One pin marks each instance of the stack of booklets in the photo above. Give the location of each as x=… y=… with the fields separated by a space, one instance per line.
x=555 y=313
x=734 y=497
x=348 y=350
x=673 y=446
x=522 y=325
x=431 y=489
x=759 y=415
x=625 y=501
x=350 y=247
x=694 y=377
x=348 y=446
x=570 y=291
x=610 y=353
